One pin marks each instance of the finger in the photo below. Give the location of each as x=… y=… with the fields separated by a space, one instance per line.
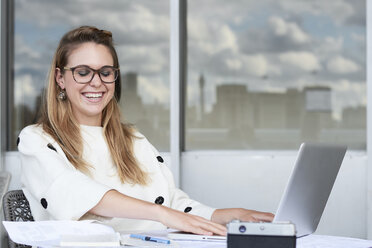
x=211 y=223
x=215 y=228
x=201 y=231
x=221 y=228
x=267 y=217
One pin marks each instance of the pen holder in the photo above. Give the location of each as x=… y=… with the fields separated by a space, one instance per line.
x=261 y=235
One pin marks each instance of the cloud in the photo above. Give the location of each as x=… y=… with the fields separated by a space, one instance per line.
x=143 y=59
x=211 y=38
x=282 y=28
x=341 y=65
x=24 y=89
x=153 y=89
x=277 y=35
x=256 y=65
x=303 y=60
x=130 y=21
x=340 y=11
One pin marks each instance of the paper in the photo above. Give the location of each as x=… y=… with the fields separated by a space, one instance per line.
x=49 y=233
x=106 y=240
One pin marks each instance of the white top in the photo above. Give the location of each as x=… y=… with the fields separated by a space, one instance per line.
x=57 y=191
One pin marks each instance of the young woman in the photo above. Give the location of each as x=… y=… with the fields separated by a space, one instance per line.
x=81 y=162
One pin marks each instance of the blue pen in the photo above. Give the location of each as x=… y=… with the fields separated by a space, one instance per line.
x=148 y=238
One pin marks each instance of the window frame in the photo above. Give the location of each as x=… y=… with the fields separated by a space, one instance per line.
x=369 y=117
x=6 y=72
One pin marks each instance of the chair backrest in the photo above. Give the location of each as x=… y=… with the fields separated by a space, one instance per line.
x=16 y=208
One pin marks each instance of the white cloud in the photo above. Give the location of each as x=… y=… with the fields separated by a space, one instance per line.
x=332 y=44
x=211 y=38
x=341 y=65
x=24 y=89
x=23 y=50
x=152 y=89
x=256 y=65
x=302 y=60
x=144 y=59
x=339 y=10
x=288 y=29
x=233 y=64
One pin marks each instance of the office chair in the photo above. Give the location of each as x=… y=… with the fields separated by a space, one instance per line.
x=16 y=208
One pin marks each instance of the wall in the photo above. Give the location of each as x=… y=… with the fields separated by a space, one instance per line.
x=257 y=181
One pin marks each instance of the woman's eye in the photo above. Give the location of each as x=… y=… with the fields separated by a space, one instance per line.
x=83 y=73
x=106 y=73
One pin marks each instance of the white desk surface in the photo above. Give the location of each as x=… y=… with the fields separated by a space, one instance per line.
x=49 y=233
x=311 y=241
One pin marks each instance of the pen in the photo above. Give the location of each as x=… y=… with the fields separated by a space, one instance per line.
x=148 y=238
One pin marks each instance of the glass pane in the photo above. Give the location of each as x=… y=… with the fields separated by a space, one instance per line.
x=273 y=74
x=141 y=35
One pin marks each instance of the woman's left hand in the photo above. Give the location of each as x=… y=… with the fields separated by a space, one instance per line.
x=224 y=216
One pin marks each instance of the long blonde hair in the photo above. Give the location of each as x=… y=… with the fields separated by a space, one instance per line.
x=59 y=122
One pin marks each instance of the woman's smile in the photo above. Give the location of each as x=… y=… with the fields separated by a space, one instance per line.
x=93 y=96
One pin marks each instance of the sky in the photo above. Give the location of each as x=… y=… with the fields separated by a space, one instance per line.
x=267 y=45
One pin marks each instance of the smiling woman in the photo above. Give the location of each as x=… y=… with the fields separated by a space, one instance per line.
x=85 y=89
x=81 y=162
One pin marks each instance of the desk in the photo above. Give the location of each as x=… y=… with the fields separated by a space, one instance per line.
x=311 y=241
x=33 y=233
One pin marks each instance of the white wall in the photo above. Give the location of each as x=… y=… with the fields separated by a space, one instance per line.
x=257 y=181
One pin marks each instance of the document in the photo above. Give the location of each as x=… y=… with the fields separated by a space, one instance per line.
x=62 y=233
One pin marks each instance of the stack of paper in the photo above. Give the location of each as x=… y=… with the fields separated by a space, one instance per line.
x=62 y=233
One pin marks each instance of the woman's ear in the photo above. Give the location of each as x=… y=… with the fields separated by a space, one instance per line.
x=59 y=78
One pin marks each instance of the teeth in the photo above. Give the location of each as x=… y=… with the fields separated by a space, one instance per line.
x=93 y=95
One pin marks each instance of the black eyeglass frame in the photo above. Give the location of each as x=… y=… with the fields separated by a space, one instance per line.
x=72 y=69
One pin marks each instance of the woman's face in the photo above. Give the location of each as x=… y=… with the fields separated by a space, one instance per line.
x=87 y=100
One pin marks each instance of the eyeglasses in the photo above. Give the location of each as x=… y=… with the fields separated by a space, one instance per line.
x=83 y=74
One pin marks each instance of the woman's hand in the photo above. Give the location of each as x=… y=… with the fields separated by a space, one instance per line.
x=190 y=223
x=224 y=216
x=115 y=204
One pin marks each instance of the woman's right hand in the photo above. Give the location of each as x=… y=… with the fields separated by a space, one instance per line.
x=189 y=223
x=115 y=204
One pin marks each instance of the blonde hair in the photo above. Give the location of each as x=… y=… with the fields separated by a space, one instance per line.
x=57 y=117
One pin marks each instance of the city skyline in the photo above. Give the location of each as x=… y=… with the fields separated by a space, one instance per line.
x=259 y=118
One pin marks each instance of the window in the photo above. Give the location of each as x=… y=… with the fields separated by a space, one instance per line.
x=272 y=74
x=141 y=34
x=260 y=75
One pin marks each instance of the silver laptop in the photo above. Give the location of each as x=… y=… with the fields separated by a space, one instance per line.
x=309 y=186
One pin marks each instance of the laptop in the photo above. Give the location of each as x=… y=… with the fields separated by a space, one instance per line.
x=306 y=193
x=309 y=186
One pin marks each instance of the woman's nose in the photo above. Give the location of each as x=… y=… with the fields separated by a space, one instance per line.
x=96 y=80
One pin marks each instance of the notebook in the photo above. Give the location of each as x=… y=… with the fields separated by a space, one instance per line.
x=310 y=185
x=185 y=236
